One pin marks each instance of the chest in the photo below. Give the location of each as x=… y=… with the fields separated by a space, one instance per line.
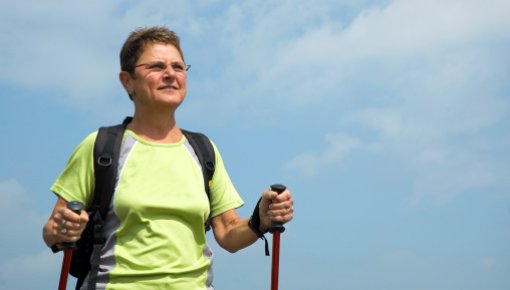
x=160 y=182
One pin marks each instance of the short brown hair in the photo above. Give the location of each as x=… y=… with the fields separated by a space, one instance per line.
x=137 y=41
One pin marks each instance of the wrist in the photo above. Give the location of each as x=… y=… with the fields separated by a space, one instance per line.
x=254 y=224
x=263 y=229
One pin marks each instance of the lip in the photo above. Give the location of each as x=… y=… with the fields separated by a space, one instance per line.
x=168 y=87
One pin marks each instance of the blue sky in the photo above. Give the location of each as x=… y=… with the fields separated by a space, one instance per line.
x=389 y=120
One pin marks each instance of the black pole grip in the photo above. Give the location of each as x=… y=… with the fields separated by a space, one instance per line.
x=277 y=226
x=76 y=207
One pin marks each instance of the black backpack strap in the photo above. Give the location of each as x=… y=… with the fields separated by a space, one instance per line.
x=205 y=152
x=106 y=160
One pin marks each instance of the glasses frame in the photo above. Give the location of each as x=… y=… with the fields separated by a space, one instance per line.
x=186 y=66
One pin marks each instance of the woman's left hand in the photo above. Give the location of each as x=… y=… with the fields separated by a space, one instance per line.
x=275 y=207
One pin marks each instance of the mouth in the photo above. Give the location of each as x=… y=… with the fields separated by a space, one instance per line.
x=168 y=87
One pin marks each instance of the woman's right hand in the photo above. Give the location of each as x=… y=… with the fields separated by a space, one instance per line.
x=64 y=226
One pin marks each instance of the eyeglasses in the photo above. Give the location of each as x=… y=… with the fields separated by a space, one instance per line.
x=160 y=66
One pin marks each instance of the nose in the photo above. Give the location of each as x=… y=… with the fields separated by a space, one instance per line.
x=170 y=69
x=169 y=72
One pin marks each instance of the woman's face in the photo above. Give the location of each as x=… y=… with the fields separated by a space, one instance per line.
x=159 y=77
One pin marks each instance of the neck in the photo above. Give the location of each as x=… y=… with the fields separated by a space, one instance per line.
x=161 y=128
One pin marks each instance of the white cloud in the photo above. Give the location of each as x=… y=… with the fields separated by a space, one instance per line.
x=274 y=58
x=17 y=220
x=26 y=261
x=388 y=121
x=267 y=52
x=442 y=175
x=403 y=28
x=37 y=271
x=337 y=148
x=426 y=77
x=54 y=48
x=406 y=27
x=68 y=52
x=12 y=195
x=487 y=263
x=418 y=73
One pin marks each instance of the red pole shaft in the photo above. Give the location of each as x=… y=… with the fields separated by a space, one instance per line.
x=66 y=265
x=275 y=260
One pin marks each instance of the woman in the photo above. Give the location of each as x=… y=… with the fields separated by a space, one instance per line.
x=155 y=224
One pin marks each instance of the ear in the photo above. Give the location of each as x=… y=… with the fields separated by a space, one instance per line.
x=126 y=81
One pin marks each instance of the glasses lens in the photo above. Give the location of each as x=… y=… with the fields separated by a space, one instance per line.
x=160 y=66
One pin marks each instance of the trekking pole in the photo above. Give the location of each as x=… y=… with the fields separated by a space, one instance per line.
x=76 y=207
x=276 y=229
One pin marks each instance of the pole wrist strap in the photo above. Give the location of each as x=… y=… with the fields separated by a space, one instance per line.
x=254 y=224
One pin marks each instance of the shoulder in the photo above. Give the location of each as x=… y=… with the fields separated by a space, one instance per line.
x=200 y=141
x=85 y=147
x=89 y=140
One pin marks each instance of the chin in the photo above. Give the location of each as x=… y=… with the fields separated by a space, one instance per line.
x=171 y=102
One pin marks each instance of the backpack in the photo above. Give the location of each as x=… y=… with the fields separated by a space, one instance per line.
x=106 y=159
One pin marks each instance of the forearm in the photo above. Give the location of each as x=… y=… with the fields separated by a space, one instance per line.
x=238 y=236
x=231 y=232
x=234 y=234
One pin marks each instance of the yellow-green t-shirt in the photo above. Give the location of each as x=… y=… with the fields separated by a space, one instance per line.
x=155 y=225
